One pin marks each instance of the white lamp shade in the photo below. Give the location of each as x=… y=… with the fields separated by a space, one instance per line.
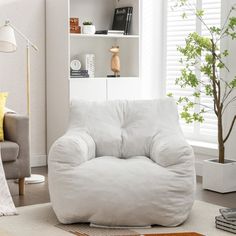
x=7 y=39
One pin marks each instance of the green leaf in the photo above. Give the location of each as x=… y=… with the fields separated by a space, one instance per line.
x=169 y=95
x=233 y=83
x=184 y=15
x=225 y=53
x=208 y=90
x=200 y=12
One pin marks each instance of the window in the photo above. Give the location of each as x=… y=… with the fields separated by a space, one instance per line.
x=176 y=32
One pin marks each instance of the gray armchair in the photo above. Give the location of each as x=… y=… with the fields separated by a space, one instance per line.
x=15 y=148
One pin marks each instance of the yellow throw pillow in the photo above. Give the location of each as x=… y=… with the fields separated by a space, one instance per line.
x=3 y=98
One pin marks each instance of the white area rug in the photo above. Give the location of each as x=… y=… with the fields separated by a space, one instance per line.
x=6 y=204
x=38 y=220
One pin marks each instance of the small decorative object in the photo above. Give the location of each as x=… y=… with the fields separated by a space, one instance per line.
x=115 y=61
x=74 y=21
x=74 y=25
x=90 y=64
x=122 y=19
x=88 y=28
x=218 y=175
x=75 y=65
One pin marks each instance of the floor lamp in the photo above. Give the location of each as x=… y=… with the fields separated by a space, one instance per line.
x=8 y=44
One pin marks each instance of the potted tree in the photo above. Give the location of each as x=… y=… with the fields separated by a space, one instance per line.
x=204 y=54
x=88 y=28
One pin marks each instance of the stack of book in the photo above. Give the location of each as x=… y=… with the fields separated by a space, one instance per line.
x=227 y=220
x=122 y=19
x=79 y=73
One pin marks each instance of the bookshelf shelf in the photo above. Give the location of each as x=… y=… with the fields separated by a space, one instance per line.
x=105 y=78
x=105 y=36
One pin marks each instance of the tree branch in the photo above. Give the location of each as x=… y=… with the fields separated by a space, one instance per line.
x=226 y=20
x=222 y=62
x=215 y=110
x=193 y=9
x=228 y=103
x=226 y=97
x=200 y=104
x=230 y=129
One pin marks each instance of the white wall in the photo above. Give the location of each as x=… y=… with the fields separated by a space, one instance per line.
x=231 y=46
x=29 y=17
x=152 y=48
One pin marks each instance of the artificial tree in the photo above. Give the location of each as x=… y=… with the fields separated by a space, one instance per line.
x=203 y=53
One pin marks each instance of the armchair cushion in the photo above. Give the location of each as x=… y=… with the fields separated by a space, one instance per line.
x=169 y=147
x=73 y=148
x=9 y=151
x=123 y=128
x=117 y=192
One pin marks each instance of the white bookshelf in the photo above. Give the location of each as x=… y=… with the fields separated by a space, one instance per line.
x=62 y=47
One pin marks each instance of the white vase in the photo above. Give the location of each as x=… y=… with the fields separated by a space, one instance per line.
x=88 y=29
x=219 y=177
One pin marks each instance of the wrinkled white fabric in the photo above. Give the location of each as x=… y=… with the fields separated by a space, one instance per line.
x=6 y=204
x=122 y=163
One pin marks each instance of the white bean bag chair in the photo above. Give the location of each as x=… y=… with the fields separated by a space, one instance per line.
x=122 y=163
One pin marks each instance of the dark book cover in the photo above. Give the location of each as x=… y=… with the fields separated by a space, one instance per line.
x=129 y=21
x=121 y=17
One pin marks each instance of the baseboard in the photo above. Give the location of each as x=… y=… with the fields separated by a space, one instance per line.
x=38 y=160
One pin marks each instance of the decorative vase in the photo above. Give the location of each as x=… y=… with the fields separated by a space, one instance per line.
x=88 y=29
x=219 y=177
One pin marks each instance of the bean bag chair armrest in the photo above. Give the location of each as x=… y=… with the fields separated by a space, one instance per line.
x=73 y=149
x=170 y=148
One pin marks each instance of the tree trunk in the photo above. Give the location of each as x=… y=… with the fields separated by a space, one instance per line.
x=221 y=145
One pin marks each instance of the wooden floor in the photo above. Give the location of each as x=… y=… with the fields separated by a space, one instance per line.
x=38 y=193
x=34 y=193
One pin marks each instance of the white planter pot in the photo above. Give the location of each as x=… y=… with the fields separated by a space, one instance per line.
x=219 y=177
x=88 y=29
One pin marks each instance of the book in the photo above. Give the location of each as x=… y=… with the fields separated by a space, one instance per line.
x=225 y=228
x=228 y=213
x=127 y=29
x=115 y=32
x=121 y=18
x=79 y=71
x=80 y=76
x=101 y=32
x=225 y=225
x=230 y=223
